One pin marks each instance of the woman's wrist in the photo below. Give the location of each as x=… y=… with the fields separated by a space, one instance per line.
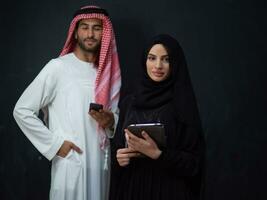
x=156 y=154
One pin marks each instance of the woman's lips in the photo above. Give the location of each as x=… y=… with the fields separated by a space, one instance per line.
x=157 y=74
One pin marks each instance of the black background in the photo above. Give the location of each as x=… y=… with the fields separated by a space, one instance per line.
x=225 y=45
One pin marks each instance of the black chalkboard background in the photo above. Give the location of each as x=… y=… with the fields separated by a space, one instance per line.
x=225 y=45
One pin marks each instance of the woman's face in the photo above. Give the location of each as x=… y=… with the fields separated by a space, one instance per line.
x=157 y=63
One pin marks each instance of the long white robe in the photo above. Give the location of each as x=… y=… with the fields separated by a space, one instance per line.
x=66 y=86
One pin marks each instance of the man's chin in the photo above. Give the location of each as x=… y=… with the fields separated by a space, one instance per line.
x=90 y=49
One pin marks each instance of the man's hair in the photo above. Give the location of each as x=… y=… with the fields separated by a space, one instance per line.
x=89 y=10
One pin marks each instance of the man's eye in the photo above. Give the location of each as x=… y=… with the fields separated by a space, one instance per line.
x=97 y=28
x=84 y=27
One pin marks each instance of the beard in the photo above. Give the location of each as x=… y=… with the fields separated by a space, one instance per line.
x=93 y=49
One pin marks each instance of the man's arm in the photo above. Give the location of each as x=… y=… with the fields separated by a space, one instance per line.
x=106 y=119
x=38 y=95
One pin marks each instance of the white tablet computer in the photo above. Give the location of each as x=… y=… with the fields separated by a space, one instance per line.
x=154 y=130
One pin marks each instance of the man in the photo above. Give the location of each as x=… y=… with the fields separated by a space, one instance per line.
x=86 y=71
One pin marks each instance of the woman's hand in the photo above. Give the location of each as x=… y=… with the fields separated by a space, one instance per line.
x=145 y=145
x=124 y=155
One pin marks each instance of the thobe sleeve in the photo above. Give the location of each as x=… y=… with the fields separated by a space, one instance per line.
x=39 y=94
x=111 y=131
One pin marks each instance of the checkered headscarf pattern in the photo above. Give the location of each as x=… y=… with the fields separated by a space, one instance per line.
x=108 y=80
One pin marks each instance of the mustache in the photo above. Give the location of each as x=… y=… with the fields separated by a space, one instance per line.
x=91 y=39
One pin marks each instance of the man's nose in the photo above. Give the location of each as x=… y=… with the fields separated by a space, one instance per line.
x=90 y=33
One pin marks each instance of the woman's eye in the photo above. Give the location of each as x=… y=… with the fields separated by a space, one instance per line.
x=166 y=59
x=151 y=58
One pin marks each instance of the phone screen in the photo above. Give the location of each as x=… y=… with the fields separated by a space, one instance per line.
x=95 y=106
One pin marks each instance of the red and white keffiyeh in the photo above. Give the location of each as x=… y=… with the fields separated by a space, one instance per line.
x=108 y=80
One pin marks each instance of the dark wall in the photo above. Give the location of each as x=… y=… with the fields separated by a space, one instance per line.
x=225 y=45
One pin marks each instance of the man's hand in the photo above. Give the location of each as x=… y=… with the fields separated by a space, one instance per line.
x=66 y=147
x=105 y=118
x=124 y=155
x=145 y=145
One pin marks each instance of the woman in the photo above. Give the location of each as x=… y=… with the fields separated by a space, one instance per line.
x=143 y=170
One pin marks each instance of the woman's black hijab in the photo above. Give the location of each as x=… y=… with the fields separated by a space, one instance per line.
x=176 y=88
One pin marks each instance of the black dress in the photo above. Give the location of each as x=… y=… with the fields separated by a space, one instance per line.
x=172 y=175
x=177 y=173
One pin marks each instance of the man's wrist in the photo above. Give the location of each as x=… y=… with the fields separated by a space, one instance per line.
x=112 y=125
x=111 y=128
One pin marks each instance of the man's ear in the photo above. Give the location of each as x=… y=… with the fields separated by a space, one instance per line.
x=75 y=34
x=76 y=30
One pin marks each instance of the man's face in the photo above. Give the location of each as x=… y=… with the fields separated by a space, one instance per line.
x=89 y=34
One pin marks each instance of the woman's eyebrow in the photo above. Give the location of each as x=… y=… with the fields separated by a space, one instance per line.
x=165 y=55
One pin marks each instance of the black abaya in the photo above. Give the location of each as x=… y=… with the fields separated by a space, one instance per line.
x=168 y=177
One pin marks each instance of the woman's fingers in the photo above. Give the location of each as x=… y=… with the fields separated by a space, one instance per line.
x=132 y=136
x=148 y=138
x=124 y=155
x=124 y=163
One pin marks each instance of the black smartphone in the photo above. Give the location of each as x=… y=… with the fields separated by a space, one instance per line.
x=95 y=106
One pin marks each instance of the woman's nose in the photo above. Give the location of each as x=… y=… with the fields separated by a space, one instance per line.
x=158 y=64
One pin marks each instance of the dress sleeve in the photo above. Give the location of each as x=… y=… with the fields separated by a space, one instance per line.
x=185 y=157
x=118 y=141
x=39 y=94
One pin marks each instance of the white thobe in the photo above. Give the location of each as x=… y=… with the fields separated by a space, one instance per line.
x=66 y=87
